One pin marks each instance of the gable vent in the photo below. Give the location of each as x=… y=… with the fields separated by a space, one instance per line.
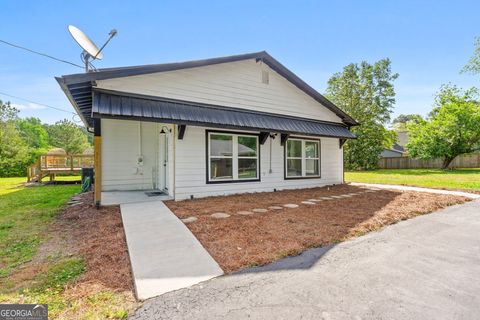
x=265 y=76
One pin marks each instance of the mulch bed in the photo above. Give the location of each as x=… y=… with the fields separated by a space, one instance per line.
x=241 y=241
x=97 y=234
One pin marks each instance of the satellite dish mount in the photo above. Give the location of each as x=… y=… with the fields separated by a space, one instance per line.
x=90 y=50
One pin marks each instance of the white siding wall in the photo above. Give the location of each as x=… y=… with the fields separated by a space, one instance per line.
x=121 y=146
x=235 y=84
x=190 y=168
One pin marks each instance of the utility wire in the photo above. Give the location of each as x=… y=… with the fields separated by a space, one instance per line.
x=41 y=104
x=39 y=53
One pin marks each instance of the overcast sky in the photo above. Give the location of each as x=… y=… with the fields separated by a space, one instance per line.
x=428 y=41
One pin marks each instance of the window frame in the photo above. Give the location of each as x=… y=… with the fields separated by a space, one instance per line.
x=235 y=157
x=303 y=159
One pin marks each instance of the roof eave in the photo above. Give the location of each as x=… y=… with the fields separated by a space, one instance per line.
x=66 y=91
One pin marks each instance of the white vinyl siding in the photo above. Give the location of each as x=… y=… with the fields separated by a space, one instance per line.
x=235 y=84
x=123 y=141
x=191 y=166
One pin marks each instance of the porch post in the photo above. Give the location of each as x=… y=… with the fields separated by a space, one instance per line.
x=97 y=162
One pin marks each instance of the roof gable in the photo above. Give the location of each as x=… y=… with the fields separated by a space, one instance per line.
x=78 y=89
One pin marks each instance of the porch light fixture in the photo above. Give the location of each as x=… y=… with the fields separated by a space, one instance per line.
x=165 y=129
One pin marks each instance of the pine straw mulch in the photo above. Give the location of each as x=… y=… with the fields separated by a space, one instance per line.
x=240 y=241
x=98 y=236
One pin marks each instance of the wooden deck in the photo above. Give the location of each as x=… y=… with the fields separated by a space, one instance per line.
x=51 y=165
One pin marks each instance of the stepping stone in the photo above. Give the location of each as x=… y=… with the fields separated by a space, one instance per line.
x=245 y=213
x=345 y=196
x=314 y=200
x=275 y=208
x=189 y=219
x=337 y=197
x=76 y=198
x=290 y=205
x=308 y=202
x=326 y=198
x=219 y=215
x=371 y=191
x=75 y=204
x=258 y=210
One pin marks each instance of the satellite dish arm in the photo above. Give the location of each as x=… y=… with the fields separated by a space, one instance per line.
x=112 y=34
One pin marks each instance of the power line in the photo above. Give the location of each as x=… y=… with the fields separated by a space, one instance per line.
x=41 y=104
x=39 y=53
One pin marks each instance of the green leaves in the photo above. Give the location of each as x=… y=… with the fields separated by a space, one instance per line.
x=473 y=65
x=23 y=140
x=67 y=135
x=452 y=128
x=365 y=92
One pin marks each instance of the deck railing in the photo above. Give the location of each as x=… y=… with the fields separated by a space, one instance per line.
x=51 y=164
x=60 y=162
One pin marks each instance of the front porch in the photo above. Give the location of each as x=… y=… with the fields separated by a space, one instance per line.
x=110 y=198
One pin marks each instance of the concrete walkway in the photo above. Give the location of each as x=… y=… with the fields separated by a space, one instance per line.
x=418 y=189
x=424 y=268
x=164 y=254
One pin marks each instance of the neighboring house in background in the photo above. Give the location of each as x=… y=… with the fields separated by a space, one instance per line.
x=398 y=148
x=219 y=126
x=396 y=151
x=402 y=138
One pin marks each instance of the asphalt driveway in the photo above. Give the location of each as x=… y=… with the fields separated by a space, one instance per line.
x=424 y=268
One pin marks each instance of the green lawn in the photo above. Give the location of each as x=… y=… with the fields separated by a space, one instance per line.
x=26 y=214
x=433 y=178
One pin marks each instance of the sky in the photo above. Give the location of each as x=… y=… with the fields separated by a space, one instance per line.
x=428 y=42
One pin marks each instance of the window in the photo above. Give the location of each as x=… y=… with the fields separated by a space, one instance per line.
x=302 y=158
x=232 y=157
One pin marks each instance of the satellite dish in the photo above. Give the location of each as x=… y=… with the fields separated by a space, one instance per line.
x=85 y=43
x=90 y=49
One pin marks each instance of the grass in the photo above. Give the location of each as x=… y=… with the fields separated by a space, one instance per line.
x=31 y=271
x=25 y=213
x=67 y=178
x=468 y=179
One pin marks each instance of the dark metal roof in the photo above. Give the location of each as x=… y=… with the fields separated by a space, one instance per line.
x=78 y=87
x=111 y=105
x=398 y=147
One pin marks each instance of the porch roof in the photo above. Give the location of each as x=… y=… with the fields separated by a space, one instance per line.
x=115 y=105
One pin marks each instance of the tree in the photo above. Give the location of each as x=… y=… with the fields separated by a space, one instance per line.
x=400 y=122
x=451 y=129
x=69 y=136
x=33 y=132
x=14 y=156
x=366 y=92
x=473 y=65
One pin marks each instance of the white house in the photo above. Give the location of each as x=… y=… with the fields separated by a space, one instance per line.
x=226 y=125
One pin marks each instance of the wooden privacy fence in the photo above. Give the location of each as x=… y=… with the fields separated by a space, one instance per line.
x=464 y=161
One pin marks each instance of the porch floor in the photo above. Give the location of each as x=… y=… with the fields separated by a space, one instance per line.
x=121 y=197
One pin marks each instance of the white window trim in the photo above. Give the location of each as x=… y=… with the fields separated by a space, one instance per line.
x=235 y=157
x=304 y=159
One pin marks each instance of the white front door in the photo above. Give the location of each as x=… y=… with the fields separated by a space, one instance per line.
x=163 y=162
